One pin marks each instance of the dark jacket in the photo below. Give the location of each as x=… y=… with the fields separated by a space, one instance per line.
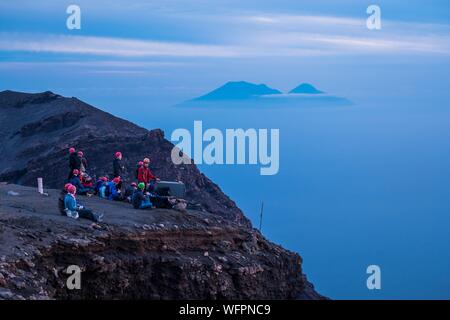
x=74 y=162
x=77 y=183
x=129 y=191
x=117 y=168
x=137 y=198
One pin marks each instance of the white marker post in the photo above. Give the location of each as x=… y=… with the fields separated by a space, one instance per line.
x=40 y=185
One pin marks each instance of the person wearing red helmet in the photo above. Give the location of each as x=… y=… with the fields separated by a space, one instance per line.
x=61 y=199
x=75 y=181
x=129 y=191
x=81 y=162
x=146 y=176
x=74 y=210
x=101 y=182
x=118 y=167
x=139 y=165
x=73 y=162
x=112 y=192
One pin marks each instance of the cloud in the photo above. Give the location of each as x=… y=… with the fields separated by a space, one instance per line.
x=107 y=46
x=260 y=35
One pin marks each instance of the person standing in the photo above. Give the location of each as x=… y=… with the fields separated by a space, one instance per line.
x=146 y=176
x=118 y=168
x=72 y=162
x=81 y=162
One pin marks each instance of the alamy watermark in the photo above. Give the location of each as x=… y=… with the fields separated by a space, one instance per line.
x=373 y=22
x=374 y=279
x=236 y=146
x=74 y=19
x=74 y=280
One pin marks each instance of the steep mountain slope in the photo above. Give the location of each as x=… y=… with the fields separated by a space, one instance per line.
x=36 y=131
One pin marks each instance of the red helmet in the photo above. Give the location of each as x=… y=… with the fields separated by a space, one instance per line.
x=104 y=179
x=66 y=186
x=71 y=150
x=134 y=184
x=76 y=172
x=116 y=180
x=71 y=189
x=80 y=153
x=118 y=154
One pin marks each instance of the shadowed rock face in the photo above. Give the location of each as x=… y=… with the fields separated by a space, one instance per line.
x=36 y=131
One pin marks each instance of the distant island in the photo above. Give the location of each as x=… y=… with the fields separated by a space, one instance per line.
x=237 y=90
x=305 y=88
x=246 y=94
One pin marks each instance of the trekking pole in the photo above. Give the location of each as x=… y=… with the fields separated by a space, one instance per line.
x=261 y=216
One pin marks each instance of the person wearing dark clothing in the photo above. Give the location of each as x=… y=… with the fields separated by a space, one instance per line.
x=75 y=181
x=161 y=202
x=129 y=191
x=139 y=165
x=139 y=199
x=74 y=210
x=118 y=168
x=100 y=182
x=62 y=195
x=117 y=165
x=113 y=192
x=73 y=162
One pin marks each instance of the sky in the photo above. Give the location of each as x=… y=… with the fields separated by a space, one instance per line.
x=174 y=50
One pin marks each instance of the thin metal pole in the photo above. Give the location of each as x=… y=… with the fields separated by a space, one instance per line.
x=261 y=216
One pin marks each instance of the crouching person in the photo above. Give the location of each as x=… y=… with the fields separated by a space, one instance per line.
x=75 y=211
x=75 y=181
x=112 y=190
x=139 y=199
x=129 y=192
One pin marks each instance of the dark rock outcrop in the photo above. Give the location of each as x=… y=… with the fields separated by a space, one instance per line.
x=36 y=131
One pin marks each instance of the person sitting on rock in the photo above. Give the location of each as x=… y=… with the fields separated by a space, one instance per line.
x=62 y=195
x=77 y=183
x=86 y=180
x=146 y=176
x=75 y=211
x=112 y=192
x=139 y=199
x=100 y=183
x=129 y=191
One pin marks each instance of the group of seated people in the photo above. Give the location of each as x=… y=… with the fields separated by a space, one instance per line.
x=142 y=194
